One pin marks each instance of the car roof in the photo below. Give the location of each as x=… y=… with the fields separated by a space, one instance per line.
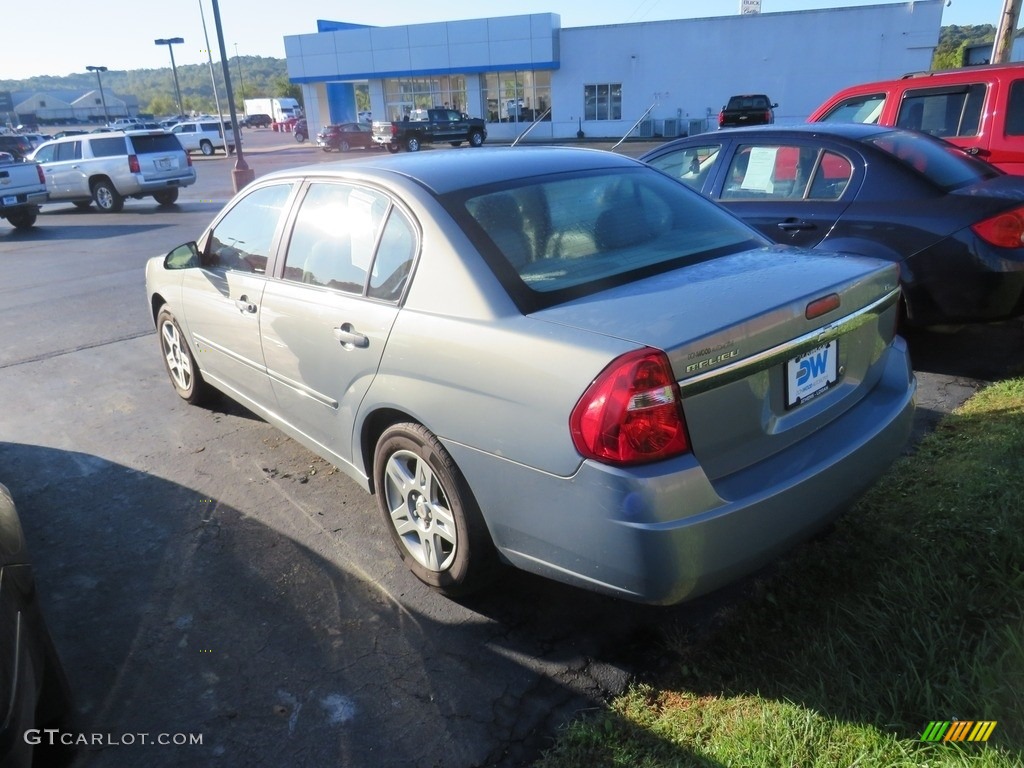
x=447 y=171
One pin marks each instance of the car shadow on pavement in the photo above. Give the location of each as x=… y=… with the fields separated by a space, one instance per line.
x=179 y=617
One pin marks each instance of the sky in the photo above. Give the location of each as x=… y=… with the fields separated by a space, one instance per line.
x=119 y=34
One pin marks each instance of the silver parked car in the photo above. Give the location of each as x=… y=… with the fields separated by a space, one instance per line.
x=105 y=168
x=557 y=358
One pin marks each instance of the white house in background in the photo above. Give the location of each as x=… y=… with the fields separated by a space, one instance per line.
x=664 y=77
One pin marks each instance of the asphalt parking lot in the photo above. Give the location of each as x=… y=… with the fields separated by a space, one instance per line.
x=209 y=581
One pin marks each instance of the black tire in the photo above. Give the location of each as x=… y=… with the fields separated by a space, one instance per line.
x=22 y=219
x=300 y=136
x=107 y=199
x=206 y=147
x=392 y=147
x=476 y=139
x=412 y=144
x=455 y=143
x=179 y=362
x=344 y=146
x=326 y=148
x=430 y=512
x=166 y=197
x=83 y=205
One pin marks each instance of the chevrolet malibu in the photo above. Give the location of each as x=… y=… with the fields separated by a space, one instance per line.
x=555 y=358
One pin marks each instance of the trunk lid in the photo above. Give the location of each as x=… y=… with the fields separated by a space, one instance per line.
x=742 y=348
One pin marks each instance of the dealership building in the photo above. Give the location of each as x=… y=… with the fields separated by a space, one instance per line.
x=659 y=78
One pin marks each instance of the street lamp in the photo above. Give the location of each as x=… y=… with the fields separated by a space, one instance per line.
x=169 y=42
x=103 y=99
x=241 y=83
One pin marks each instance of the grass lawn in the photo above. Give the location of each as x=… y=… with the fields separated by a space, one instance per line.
x=910 y=610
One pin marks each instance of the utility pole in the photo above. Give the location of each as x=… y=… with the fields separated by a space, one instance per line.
x=1003 y=46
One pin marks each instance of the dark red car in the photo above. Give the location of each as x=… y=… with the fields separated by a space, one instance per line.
x=345 y=136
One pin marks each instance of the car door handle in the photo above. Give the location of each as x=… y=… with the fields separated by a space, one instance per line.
x=796 y=225
x=245 y=306
x=349 y=337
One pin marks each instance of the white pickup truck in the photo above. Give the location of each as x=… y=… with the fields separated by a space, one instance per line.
x=22 y=191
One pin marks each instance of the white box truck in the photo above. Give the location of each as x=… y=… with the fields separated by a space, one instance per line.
x=279 y=109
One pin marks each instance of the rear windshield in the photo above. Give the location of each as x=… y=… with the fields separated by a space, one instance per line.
x=943 y=164
x=155 y=142
x=748 y=102
x=552 y=239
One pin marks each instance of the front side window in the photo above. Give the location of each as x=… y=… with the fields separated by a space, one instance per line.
x=858 y=109
x=335 y=235
x=602 y=102
x=691 y=165
x=943 y=112
x=243 y=239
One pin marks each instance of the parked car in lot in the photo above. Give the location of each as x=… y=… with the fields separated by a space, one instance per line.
x=18 y=146
x=342 y=137
x=954 y=224
x=747 y=109
x=980 y=109
x=257 y=121
x=106 y=168
x=35 y=690
x=206 y=136
x=301 y=130
x=553 y=357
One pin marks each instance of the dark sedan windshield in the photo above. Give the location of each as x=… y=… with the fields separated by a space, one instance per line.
x=563 y=236
x=943 y=164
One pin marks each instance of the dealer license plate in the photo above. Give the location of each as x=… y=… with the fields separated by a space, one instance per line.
x=810 y=374
x=11 y=200
x=165 y=164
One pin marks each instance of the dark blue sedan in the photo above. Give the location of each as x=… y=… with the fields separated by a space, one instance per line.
x=955 y=224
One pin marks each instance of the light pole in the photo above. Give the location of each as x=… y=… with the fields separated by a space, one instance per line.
x=103 y=99
x=241 y=83
x=170 y=42
x=242 y=174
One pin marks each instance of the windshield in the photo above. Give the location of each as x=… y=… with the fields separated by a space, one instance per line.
x=555 y=238
x=943 y=164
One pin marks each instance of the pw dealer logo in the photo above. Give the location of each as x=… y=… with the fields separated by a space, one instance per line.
x=812 y=367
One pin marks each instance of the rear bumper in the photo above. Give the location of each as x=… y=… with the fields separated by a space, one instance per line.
x=665 y=533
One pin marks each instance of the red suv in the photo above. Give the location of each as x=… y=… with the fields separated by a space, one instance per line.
x=980 y=109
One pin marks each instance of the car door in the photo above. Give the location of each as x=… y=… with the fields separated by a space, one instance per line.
x=325 y=321
x=221 y=299
x=792 y=190
x=62 y=165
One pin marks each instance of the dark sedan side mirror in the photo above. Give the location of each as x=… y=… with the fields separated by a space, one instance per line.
x=183 y=257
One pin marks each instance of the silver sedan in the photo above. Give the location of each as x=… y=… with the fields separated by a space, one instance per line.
x=559 y=359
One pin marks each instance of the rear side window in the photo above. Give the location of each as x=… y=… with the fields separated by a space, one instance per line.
x=157 y=142
x=943 y=112
x=114 y=146
x=1015 y=109
x=857 y=109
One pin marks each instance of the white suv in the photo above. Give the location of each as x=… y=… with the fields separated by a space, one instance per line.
x=105 y=168
x=206 y=136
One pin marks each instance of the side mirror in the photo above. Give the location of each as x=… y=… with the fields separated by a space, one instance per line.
x=775 y=106
x=183 y=257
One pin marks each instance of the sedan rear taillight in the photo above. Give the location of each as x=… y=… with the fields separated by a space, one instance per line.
x=1005 y=229
x=632 y=413
x=133 y=164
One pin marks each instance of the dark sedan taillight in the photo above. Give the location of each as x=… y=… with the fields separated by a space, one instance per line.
x=1005 y=230
x=632 y=413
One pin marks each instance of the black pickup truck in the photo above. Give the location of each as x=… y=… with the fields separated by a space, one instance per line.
x=747 y=109
x=426 y=126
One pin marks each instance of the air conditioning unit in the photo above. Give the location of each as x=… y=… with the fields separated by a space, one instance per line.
x=671 y=127
x=695 y=127
x=646 y=129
